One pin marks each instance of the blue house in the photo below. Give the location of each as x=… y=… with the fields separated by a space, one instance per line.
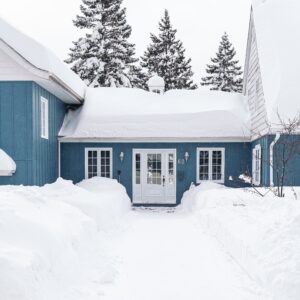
x=155 y=143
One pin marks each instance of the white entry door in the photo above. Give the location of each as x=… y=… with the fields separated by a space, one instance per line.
x=154 y=176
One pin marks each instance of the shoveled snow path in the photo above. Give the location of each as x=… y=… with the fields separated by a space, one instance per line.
x=163 y=255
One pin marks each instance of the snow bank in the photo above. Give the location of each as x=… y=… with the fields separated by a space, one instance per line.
x=7 y=164
x=53 y=239
x=261 y=234
x=133 y=113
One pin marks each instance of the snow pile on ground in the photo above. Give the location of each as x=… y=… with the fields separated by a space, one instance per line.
x=7 y=164
x=261 y=234
x=52 y=239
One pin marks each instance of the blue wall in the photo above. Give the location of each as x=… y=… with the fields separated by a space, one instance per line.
x=237 y=161
x=292 y=177
x=36 y=158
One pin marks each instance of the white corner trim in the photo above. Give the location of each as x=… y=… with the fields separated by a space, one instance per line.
x=277 y=137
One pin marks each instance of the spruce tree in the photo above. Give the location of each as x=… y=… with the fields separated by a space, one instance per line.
x=138 y=77
x=224 y=74
x=165 y=56
x=103 y=57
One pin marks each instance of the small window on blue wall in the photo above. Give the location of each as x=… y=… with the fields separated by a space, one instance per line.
x=98 y=162
x=211 y=164
x=44 y=118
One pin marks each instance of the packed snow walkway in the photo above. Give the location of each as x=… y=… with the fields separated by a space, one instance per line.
x=164 y=255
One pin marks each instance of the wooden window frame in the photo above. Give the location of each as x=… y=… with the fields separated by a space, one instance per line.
x=44 y=118
x=210 y=151
x=98 y=150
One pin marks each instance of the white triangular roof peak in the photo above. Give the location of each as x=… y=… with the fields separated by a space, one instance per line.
x=277 y=26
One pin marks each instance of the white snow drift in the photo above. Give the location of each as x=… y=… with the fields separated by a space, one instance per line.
x=7 y=164
x=52 y=239
x=261 y=234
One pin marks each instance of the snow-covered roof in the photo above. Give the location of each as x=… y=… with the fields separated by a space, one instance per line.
x=277 y=25
x=41 y=58
x=110 y=113
x=7 y=164
x=156 y=81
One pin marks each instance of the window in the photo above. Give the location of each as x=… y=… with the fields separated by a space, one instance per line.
x=256 y=165
x=98 y=162
x=44 y=118
x=154 y=168
x=171 y=168
x=138 y=168
x=210 y=164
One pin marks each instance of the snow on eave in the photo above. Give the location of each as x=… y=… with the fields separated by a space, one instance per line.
x=129 y=114
x=7 y=164
x=40 y=61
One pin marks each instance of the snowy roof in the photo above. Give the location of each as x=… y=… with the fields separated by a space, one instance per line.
x=156 y=81
x=7 y=164
x=277 y=25
x=111 y=113
x=41 y=58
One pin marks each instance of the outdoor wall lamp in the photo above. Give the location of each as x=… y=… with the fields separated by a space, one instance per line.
x=186 y=156
x=122 y=156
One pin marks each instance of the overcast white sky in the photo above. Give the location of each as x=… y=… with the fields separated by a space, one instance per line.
x=200 y=24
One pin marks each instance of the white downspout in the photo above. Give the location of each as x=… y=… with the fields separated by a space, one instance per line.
x=59 y=159
x=277 y=137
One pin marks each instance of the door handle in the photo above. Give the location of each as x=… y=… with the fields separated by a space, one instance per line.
x=164 y=180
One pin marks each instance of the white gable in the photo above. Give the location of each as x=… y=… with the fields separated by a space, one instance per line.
x=39 y=58
x=110 y=113
x=277 y=26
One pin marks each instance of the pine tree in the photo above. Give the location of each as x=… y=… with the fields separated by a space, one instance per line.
x=138 y=77
x=224 y=74
x=103 y=57
x=165 y=56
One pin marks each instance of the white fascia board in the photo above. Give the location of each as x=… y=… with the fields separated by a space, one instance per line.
x=41 y=75
x=155 y=140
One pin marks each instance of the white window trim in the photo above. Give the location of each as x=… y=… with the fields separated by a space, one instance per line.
x=44 y=122
x=254 y=160
x=210 y=150
x=98 y=161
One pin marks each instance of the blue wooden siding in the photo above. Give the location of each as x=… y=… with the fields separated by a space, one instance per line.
x=237 y=161
x=45 y=151
x=36 y=159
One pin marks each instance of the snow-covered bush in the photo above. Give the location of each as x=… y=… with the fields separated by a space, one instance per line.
x=261 y=234
x=52 y=239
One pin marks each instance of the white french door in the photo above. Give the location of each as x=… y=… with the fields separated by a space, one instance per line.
x=154 y=176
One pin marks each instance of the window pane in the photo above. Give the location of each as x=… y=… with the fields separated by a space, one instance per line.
x=154 y=171
x=138 y=168
x=217 y=165
x=171 y=168
x=92 y=164
x=204 y=165
x=105 y=164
